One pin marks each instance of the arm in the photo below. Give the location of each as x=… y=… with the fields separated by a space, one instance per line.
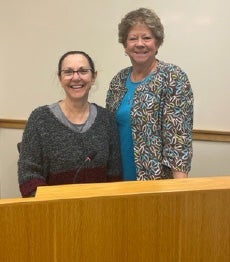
x=30 y=166
x=177 y=124
x=117 y=90
x=114 y=165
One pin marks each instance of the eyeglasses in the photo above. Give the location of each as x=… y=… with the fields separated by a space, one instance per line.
x=69 y=73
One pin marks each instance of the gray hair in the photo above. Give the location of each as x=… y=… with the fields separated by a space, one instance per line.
x=141 y=15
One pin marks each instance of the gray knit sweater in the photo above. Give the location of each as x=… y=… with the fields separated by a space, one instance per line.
x=52 y=153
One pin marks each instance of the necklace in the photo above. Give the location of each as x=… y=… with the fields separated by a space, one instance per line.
x=142 y=75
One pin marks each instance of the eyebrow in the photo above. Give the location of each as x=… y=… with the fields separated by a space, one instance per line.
x=82 y=67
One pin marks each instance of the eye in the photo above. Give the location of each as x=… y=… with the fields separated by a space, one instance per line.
x=67 y=72
x=132 y=38
x=147 y=37
x=83 y=71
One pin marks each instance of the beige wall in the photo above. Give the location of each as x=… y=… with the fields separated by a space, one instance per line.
x=34 y=34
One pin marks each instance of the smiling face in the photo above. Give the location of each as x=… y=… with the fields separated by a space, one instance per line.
x=141 y=45
x=76 y=76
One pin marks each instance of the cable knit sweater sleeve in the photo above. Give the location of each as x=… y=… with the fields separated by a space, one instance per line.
x=30 y=164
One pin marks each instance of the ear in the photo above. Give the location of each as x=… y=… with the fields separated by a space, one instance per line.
x=59 y=77
x=157 y=46
x=60 y=81
x=94 y=78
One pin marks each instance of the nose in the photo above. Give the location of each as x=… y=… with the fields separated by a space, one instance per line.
x=140 y=42
x=76 y=75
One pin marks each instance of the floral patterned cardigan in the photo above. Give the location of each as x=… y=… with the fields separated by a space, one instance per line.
x=161 y=120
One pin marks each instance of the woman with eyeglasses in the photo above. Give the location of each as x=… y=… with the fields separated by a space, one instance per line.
x=70 y=141
x=153 y=102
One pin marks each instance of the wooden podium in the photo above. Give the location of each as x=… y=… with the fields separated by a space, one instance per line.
x=181 y=220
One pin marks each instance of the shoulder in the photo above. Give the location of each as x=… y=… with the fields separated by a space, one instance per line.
x=105 y=116
x=103 y=111
x=171 y=69
x=40 y=111
x=122 y=74
x=176 y=79
x=36 y=120
x=39 y=115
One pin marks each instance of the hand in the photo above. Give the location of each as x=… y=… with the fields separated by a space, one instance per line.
x=178 y=174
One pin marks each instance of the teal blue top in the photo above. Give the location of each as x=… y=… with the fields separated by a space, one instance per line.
x=125 y=129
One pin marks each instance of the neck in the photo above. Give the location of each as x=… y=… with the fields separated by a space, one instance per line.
x=76 y=113
x=141 y=72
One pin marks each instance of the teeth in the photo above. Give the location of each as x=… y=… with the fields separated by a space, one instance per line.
x=76 y=87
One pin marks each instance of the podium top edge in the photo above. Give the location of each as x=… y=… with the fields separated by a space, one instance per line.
x=124 y=188
x=132 y=187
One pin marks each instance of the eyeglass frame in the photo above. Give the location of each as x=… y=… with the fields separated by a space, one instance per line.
x=79 y=72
